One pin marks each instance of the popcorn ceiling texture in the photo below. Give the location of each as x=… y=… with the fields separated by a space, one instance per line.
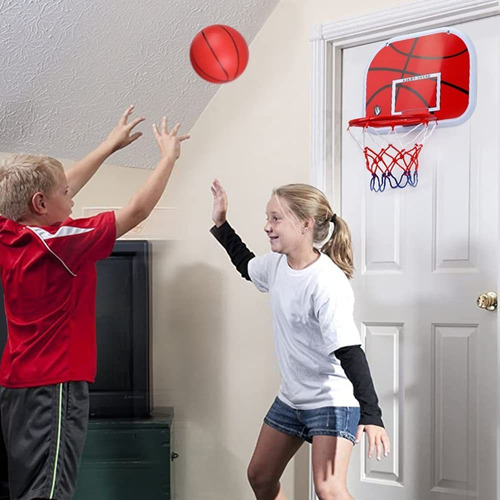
x=68 y=68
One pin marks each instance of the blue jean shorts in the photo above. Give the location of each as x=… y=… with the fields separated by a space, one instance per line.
x=337 y=421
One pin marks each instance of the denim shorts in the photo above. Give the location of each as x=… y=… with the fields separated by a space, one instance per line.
x=337 y=421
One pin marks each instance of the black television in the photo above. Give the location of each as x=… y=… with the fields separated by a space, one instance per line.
x=123 y=324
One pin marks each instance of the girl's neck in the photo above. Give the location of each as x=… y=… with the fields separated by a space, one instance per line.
x=302 y=258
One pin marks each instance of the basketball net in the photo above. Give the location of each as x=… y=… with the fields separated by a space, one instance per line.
x=392 y=155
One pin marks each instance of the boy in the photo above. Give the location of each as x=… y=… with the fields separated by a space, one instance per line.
x=47 y=265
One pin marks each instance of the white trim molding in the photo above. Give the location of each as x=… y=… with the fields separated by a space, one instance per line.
x=327 y=42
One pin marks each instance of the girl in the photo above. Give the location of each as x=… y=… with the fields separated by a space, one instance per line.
x=326 y=395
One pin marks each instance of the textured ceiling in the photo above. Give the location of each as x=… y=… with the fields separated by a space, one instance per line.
x=68 y=68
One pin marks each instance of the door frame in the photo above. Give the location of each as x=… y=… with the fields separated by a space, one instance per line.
x=327 y=42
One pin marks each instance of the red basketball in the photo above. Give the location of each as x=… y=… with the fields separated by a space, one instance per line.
x=219 y=53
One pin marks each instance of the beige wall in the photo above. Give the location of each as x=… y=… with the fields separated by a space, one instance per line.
x=213 y=356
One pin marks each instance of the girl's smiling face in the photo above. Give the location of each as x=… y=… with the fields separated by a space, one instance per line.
x=282 y=228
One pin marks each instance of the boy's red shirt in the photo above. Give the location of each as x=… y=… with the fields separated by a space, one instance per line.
x=49 y=282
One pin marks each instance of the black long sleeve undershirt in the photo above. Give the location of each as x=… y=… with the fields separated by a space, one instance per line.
x=353 y=361
x=238 y=252
x=352 y=358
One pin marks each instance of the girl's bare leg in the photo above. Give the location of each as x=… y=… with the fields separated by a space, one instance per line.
x=330 y=457
x=272 y=453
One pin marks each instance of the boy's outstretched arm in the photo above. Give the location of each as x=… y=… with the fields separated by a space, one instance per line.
x=118 y=138
x=143 y=202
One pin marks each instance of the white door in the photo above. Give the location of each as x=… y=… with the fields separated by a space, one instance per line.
x=422 y=256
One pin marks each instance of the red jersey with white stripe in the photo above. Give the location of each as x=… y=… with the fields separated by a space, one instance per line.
x=49 y=282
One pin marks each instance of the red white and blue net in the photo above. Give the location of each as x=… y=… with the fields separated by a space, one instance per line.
x=391 y=146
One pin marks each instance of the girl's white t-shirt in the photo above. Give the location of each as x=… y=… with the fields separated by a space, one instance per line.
x=312 y=311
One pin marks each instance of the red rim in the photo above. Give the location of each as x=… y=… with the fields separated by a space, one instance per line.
x=405 y=119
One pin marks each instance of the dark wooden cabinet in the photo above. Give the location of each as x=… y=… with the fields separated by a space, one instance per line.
x=127 y=458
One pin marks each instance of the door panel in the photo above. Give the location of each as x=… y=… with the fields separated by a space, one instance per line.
x=422 y=257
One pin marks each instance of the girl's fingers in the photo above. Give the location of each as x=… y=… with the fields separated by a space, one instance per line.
x=184 y=137
x=223 y=192
x=219 y=189
x=164 y=125
x=359 y=434
x=372 y=446
x=387 y=444
x=378 y=444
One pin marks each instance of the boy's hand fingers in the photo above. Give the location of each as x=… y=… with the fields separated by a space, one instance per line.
x=155 y=131
x=126 y=114
x=164 y=125
x=134 y=123
x=135 y=137
x=184 y=137
x=175 y=129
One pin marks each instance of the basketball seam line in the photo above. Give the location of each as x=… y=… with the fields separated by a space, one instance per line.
x=216 y=58
x=235 y=47
x=413 y=56
x=205 y=73
x=406 y=65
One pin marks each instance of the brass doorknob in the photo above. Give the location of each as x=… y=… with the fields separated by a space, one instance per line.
x=488 y=301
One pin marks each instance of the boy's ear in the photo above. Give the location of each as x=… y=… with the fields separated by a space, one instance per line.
x=38 y=204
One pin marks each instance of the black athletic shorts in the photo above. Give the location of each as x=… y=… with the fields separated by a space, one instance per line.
x=44 y=432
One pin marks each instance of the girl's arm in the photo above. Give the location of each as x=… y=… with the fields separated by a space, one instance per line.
x=237 y=250
x=354 y=363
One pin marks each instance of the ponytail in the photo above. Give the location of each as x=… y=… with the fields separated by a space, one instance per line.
x=339 y=247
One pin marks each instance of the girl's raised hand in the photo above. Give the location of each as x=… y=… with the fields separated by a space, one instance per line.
x=220 y=203
x=377 y=439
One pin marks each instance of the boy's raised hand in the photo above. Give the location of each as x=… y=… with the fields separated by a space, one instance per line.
x=169 y=142
x=120 y=136
x=219 y=212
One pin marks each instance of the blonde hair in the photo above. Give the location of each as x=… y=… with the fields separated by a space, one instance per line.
x=307 y=202
x=21 y=177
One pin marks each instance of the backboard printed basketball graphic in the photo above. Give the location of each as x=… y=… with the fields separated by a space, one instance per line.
x=433 y=70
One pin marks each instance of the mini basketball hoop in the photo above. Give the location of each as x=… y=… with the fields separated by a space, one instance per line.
x=392 y=154
x=411 y=83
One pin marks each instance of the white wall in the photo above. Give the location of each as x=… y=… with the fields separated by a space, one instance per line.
x=213 y=354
